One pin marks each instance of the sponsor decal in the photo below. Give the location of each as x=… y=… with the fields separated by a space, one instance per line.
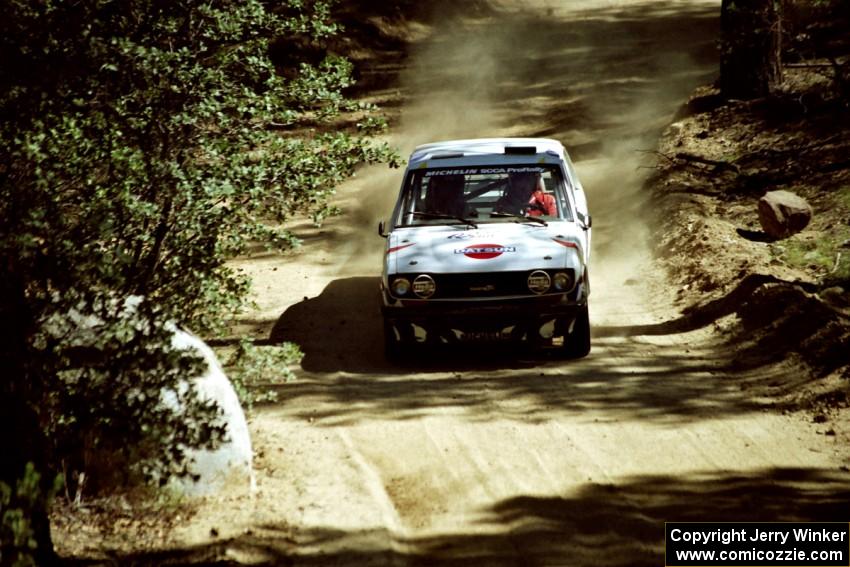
x=470 y=234
x=397 y=248
x=484 y=251
x=567 y=243
x=485 y=170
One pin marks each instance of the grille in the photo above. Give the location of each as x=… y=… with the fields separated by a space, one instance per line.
x=498 y=284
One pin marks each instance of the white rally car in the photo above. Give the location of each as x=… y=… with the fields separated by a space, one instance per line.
x=489 y=240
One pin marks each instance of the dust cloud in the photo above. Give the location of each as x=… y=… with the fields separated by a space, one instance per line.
x=603 y=77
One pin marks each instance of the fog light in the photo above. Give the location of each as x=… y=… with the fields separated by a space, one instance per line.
x=400 y=287
x=424 y=286
x=539 y=282
x=562 y=281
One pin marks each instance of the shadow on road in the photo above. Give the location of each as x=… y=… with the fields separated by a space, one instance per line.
x=599 y=524
x=629 y=375
x=340 y=329
x=703 y=315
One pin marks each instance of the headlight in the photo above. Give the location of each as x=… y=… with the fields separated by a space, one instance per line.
x=562 y=281
x=400 y=287
x=424 y=286
x=539 y=282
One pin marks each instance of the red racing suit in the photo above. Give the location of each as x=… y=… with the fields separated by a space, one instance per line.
x=542 y=204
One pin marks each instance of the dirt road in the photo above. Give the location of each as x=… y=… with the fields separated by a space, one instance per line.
x=497 y=459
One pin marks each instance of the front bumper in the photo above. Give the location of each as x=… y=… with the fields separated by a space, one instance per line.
x=482 y=316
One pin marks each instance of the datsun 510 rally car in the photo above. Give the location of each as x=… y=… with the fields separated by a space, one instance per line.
x=489 y=241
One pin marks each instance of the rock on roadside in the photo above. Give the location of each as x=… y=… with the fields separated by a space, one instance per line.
x=783 y=213
x=229 y=467
x=226 y=469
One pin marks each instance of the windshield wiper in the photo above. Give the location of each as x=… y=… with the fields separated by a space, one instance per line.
x=465 y=221
x=526 y=218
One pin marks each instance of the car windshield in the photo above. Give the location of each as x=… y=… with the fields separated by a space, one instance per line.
x=483 y=194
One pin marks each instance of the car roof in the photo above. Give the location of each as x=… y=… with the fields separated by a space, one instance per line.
x=459 y=149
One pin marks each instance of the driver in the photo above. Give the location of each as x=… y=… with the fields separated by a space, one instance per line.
x=525 y=195
x=542 y=203
x=445 y=196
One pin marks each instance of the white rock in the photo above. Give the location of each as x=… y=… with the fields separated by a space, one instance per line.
x=230 y=465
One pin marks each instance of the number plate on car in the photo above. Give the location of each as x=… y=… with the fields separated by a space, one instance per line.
x=488 y=336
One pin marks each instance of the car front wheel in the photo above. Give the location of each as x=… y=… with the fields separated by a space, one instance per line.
x=397 y=348
x=577 y=341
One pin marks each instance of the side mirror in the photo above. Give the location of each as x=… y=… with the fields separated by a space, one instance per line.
x=588 y=221
x=382 y=230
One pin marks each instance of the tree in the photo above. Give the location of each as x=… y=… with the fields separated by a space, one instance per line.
x=751 y=48
x=142 y=144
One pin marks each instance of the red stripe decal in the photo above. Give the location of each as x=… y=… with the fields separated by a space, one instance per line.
x=566 y=243
x=397 y=248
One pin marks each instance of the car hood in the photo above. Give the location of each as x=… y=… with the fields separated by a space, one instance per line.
x=489 y=248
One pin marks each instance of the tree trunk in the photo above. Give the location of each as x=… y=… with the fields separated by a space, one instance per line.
x=22 y=439
x=22 y=443
x=751 y=48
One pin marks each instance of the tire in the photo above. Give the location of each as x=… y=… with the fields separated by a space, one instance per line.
x=577 y=342
x=395 y=350
x=391 y=343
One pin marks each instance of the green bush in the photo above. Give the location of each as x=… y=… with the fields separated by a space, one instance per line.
x=18 y=541
x=144 y=143
x=254 y=370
